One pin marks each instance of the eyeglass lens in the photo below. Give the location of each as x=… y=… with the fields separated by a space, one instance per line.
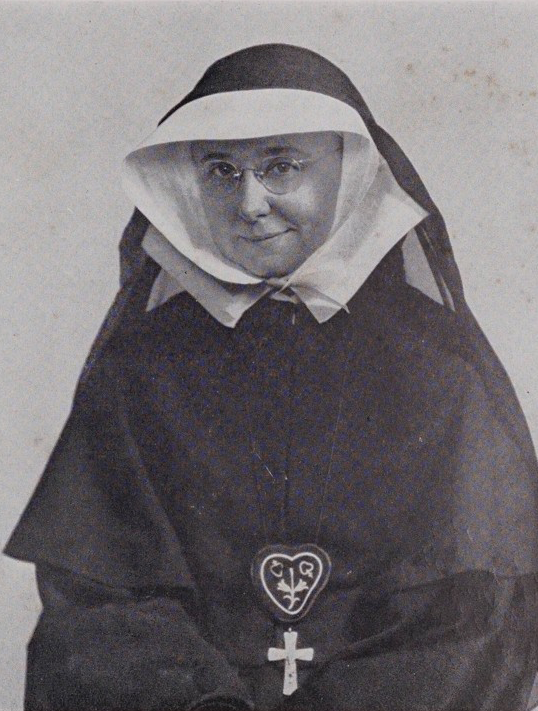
x=278 y=175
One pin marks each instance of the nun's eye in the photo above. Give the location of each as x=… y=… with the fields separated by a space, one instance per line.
x=223 y=170
x=282 y=167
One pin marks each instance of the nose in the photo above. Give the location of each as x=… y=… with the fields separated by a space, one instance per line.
x=253 y=198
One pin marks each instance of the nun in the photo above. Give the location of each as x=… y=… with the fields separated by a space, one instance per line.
x=295 y=475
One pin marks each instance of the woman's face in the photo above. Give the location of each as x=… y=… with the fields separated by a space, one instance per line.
x=270 y=234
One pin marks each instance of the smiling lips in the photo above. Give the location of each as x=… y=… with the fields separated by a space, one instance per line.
x=265 y=237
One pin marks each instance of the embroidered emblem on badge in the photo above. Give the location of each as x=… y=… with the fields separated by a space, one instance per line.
x=289 y=578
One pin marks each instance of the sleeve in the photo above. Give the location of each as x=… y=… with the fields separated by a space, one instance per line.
x=99 y=648
x=469 y=643
x=115 y=633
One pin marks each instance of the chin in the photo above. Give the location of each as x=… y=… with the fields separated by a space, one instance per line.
x=274 y=266
x=272 y=271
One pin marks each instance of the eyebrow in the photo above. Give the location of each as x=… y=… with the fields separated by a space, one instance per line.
x=270 y=151
x=278 y=150
x=215 y=156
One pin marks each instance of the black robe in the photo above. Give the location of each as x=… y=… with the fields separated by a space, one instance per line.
x=191 y=445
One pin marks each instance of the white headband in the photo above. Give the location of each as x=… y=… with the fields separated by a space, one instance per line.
x=255 y=113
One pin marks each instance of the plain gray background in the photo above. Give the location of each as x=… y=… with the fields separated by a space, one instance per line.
x=81 y=85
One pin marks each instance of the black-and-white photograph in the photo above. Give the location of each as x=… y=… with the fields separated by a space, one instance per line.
x=270 y=356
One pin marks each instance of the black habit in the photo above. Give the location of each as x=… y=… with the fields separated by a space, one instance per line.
x=192 y=445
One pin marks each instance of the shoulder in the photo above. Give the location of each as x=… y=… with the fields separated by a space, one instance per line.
x=418 y=343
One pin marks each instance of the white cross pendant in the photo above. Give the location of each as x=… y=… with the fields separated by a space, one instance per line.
x=290 y=654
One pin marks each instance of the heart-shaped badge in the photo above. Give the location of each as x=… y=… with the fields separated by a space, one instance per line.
x=289 y=578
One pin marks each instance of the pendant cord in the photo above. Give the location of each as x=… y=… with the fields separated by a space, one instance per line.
x=328 y=476
x=261 y=511
x=284 y=513
x=284 y=504
x=284 y=507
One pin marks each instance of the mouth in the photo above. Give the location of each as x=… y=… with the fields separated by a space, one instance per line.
x=266 y=237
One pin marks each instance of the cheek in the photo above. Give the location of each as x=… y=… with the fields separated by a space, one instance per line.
x=301 y=209
x=315 y=209
x=219 y=214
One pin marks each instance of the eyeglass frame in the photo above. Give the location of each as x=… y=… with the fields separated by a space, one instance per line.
x=259 y=174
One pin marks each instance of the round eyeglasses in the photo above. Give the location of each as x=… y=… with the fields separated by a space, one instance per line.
x=279 y=175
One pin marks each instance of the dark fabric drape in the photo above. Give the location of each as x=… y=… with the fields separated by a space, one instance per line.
x=427 y=415
x=99 y=648
x=151 y=488
x=462 y=644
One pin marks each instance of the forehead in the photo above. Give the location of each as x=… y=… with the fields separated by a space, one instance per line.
x=294 y=144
